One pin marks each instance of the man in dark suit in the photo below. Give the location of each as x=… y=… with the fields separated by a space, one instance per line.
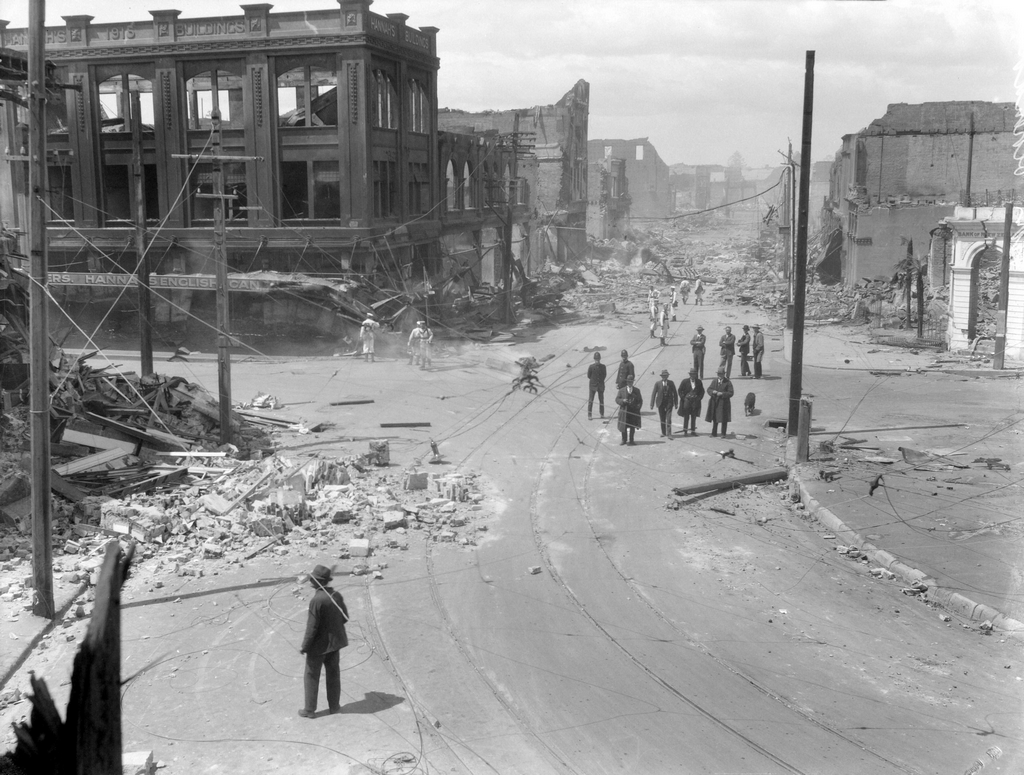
x=743 y=344
x=691 y=393
x=625 y=370
x=664 y=397
x=720 y=392
x=728 y=347
x=698 y=344
x=630 y=403
x=597 y=373
x=324 y=639
x=758 y=344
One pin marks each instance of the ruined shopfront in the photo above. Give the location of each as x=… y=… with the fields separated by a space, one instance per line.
x=976 y=234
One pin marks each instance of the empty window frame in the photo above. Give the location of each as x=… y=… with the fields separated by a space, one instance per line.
x=310 y=189
x=61 y=194
x=214 y=89
x=307 y=95
x=419 y=107
x=385 y=100
x=201 y=182
x=468 y=184
x=115 y=102
x=451 y=188
x=384 y=188
x=117 y=197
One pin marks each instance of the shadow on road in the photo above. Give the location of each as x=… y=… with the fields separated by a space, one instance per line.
x=373 y=702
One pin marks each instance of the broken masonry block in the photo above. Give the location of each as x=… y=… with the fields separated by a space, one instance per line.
x=457 y=521
x=212 y=549
x=138 y=763
x=359 y=547
x=341 y=516
x=380 y=453
x=394 y=520
x=446 y=535
x=415 y=480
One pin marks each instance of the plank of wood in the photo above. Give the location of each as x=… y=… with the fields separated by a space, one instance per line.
x=758 y=477
x=64 y=488
x=96 y=441
x=238 y=501
x=405 y=425
x=817 y=431
x=105 y=460
x=189 y=453
x=352 y=402
x=150 y=482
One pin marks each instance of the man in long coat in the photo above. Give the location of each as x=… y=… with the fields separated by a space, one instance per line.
x=325 y=637
x=625 y=371
x=720 y=392
x=664 y=397
x=728 y=347
x=758 y=345
x=691 y=393
x=743 y=345
x=630 y=403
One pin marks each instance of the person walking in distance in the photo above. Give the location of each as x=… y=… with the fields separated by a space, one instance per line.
x=758 y=346
x=652 y=308
x=625 y=371
x=416 y=342
x=698 y=292
x=663 y=317
x=367 y=331
x=720 y=392
x=325 y=637
x=728 y=350
x=597 y=373
x=664 y=397
x=691 y=393
x=684 y=291
x=630 y=402
x=743 y=343
x=699 y=344
x=426 y=345
x=675 y=300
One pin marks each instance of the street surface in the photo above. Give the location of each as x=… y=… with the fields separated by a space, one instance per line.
x=722 y=634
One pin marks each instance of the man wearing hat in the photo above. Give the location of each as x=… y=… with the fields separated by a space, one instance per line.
x=698 y=345
x=625 y=370
x=366 y=333
x=728 y=350
x=743 y=344
x=416 y=342
x=664 y=397
x=758 y=344
x=691 y=393
x=597 y=373
x=630 y=402
x=720 y=393
x=325 y=637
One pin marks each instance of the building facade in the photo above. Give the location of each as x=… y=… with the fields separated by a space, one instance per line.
x=891 y=183
x=608 y=200
x=332 y=163
x=650 y=190
x=557 y=181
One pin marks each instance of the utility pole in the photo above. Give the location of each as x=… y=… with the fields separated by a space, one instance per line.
x=970 y=158
x=800 y=270
x=142 y=268
x=220 y=260
x=510 y=313
x=39 y=335
x=1004 y=291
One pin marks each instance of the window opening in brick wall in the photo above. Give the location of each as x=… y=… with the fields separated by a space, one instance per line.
x=307 y=96
x=419 y=107
x=419 y=189
x=384 y=185
x=214 y=89
x=385 y=101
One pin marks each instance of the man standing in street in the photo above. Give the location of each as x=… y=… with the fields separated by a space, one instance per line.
x=758 y=343
x=698 y=292
x=728 y=345
x=743 y=343
x=691 y=393
x=653 y=307
x=325 y=637
x=366 y=332
x=664 y=397
x=663 y=316
x=675 y=300
x=416 y=343
x=630 y=402
x=698 y=344
x=684 y=290
x=720 y=393
x=597 y=373
x=625 y=371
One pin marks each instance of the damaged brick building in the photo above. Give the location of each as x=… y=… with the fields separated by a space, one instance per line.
x=894 y=181
x=650 y=191
x=337 y=170
x=557 y=182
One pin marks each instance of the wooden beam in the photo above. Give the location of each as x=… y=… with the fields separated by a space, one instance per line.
x=758 y=477
x=819 y=431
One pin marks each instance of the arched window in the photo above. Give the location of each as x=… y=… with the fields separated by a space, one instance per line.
x=451 y=190
x=468 y=200
x=385 y=101
x=116 y=102
x=214 y=89
x=419 y=107
x=116 y=96
x=307 y=96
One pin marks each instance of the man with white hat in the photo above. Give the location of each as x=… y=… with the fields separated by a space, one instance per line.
x=325 y=637
x=416 y=337
x=366 y=333
x=664 y=397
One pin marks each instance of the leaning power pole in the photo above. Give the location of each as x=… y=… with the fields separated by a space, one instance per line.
x=999 y=354
x=800 y=269
x=142 y=266
x=39 y=335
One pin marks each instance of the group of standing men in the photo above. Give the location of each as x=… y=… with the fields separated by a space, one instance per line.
x=727 y=348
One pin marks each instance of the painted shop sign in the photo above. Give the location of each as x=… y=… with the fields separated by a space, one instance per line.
x=200 y=282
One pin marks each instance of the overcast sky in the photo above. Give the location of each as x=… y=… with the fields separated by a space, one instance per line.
x=701 y=78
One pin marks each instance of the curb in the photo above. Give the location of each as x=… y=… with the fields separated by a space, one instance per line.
x=952 y=601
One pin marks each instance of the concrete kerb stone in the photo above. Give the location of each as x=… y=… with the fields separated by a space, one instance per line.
x=952 y=601
x=10 y=669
